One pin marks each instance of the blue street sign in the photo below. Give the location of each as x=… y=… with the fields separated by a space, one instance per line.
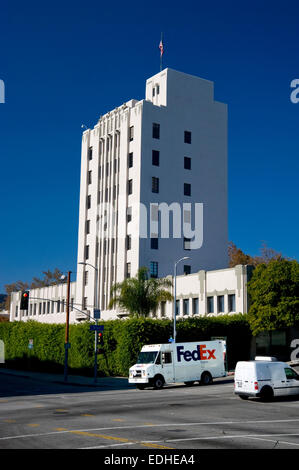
x=96 y=327
x=96 y=314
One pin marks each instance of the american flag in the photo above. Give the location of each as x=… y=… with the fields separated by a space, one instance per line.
x=161 y=47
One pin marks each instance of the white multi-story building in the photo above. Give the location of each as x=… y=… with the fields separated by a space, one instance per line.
x=153 y=190
x=141 y=162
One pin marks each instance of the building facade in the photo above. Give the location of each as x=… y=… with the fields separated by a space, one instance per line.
x=205 y=293
x=153 y=189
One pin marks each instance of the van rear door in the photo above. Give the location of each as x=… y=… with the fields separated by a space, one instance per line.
x=245 y=376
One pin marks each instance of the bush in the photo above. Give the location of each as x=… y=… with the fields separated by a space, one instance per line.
x=123 y=340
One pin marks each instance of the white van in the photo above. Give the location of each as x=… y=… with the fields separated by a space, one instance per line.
x=265 y=377
x=160 y=364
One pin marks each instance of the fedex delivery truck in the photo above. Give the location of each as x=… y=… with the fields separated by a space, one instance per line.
x=160 y=364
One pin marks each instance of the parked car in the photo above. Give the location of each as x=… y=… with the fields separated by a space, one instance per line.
x=265 y=377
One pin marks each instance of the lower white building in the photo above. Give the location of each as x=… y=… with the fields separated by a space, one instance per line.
x=205 y=293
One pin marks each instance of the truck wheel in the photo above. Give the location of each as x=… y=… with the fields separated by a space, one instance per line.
x=140 y=387
x=266 y=393
x=189 y=384
x=158 y=382
x=206 y=378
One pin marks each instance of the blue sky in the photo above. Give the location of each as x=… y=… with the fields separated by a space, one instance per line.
x=66 y=63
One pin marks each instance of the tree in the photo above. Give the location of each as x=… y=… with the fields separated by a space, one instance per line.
x=237 y=256
x=140 y=295
x=274 y=295
x=50 y=278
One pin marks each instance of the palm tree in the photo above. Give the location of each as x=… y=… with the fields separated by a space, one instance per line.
x=140 y=295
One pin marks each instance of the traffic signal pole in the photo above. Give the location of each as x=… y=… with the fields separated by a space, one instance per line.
x=67 y=323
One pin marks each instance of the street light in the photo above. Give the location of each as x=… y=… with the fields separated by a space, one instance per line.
x=174 y=301
x=95 y=308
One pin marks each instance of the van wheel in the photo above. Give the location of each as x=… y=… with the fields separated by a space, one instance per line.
x=243 y=397
x=140 y=387
x=266 y=393
x=189 y=384
x=206 y=378
x=158 y=382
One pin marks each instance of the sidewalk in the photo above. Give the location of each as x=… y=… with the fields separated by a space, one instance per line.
x=72 y=380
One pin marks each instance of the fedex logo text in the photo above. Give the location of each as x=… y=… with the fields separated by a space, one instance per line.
x=198 y=354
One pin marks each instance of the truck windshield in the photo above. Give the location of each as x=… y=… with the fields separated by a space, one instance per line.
x=147 y=357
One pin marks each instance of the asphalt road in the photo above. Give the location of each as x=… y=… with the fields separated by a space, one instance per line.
x=41 y=415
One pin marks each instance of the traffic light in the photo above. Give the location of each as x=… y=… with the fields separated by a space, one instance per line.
x=100 y=343
x=100 y=339
x=24 y=300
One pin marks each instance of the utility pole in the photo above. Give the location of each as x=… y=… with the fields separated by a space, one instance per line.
x=67 y=326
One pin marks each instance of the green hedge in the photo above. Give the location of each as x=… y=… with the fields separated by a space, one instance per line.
x=123 y=340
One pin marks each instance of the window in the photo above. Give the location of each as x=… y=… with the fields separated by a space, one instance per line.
x=131 y=133
x=48 y=306
x=187 y=243
x=195 y=306
x=130 y=186
x=89 y=177
x=187 y=137
x=40 y=308
x=129 y=214
x=166 y=358
x=90 y=153
x=16 y=311
x=158 y=89
x=177 y=307
x=44 y=308
x=86 y=251
x=187 y=163
x=156 y=157
x=210 y=304
x=154 y=91
x=220 y=303
x=156 y=131
x=128 y=270
x=53 y=306
x=72 y=304
x=84 y=305
x=187 y=269
x=62 y=305
x=154 y=269
x=130 y=160
x=87 y=226
x=154 y=243
x=231 y=302
x=129 y=242
x=155 y=184
x=186 y=306
x=163 y=309
x=88 y=202
x=115 y=165
x=34 y=309
x=58 y=306
x=187 y=189
x=107 y=168
x=85 y=278
x=291 y=374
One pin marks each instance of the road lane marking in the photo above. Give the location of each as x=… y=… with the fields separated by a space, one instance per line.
x=118 y=419
x=33 y=425
x=9 y=421
x=86 y=414
x=121 y=439
x=213 y=423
